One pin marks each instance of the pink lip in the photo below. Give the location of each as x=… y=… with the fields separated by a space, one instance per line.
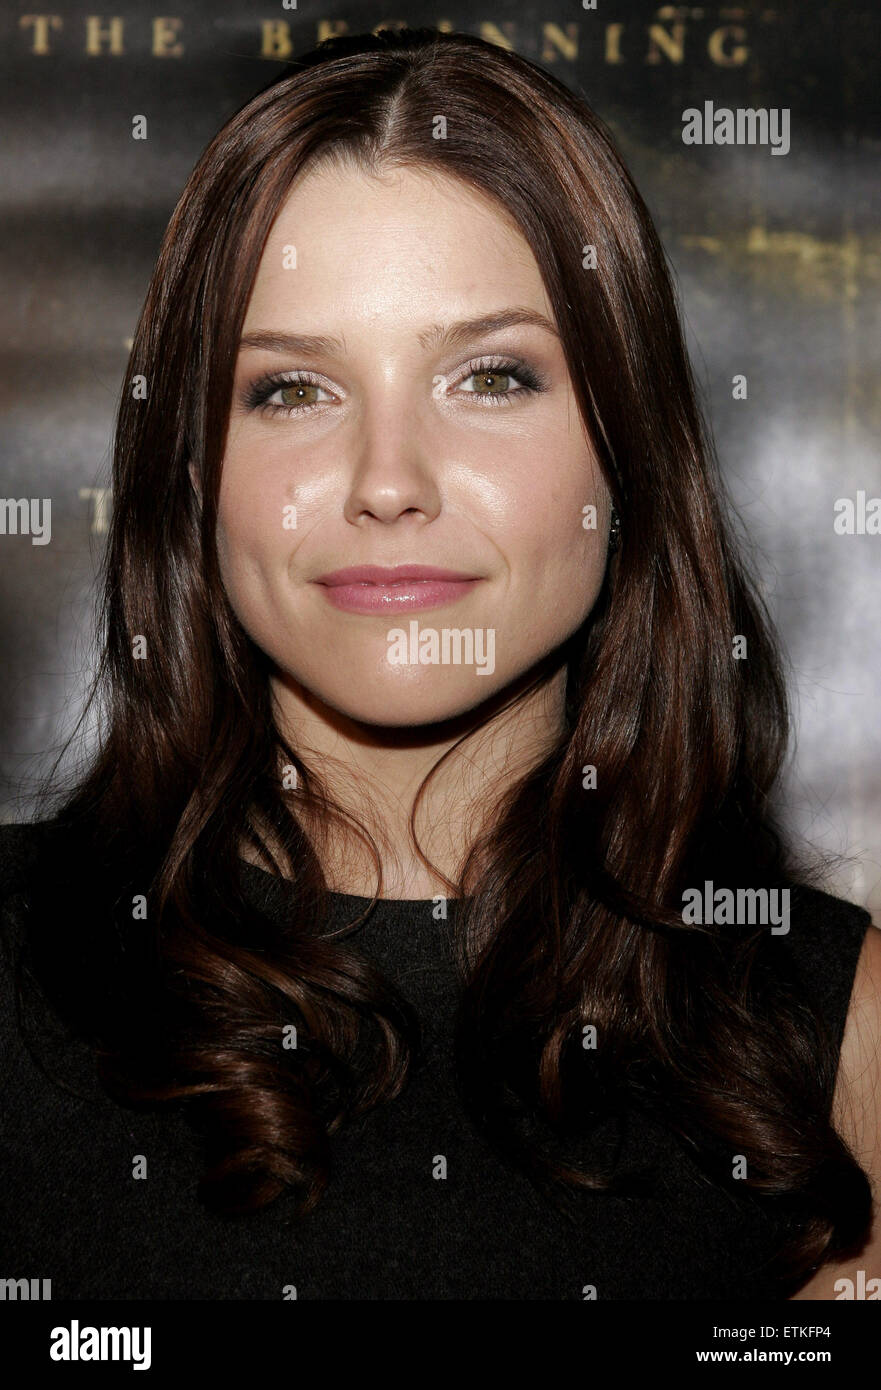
x=379 y=574
x=375 y=589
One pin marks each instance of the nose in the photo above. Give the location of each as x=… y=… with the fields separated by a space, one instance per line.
x=394 y=472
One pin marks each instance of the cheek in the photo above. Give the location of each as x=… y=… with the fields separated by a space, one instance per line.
x=559 y=574
x=551 y=528
x=251 y=535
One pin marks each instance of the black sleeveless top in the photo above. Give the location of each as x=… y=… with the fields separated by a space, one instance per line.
x=389 y=1225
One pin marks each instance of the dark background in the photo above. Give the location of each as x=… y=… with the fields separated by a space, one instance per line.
x=777 y=260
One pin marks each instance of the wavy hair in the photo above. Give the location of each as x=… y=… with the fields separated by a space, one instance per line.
x=577 y=925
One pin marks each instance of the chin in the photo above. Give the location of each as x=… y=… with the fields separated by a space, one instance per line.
x=402 y=707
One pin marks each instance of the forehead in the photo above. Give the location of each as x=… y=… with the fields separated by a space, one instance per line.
x=403 y=242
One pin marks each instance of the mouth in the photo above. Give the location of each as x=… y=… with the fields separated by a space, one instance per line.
x=399 y=574
x=374 y=589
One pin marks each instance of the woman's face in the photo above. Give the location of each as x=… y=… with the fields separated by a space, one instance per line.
x=397 y=435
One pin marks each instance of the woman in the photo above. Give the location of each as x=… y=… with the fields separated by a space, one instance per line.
x=410 y=479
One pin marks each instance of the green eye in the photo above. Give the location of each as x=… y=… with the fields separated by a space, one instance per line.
x=501 y=382
x=496 y=383
x=296 y=393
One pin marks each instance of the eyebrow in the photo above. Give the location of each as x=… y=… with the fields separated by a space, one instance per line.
x=438 y=335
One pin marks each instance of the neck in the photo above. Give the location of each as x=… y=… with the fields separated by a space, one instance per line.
x=374 y=774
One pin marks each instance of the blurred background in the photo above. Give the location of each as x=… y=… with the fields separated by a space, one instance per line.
x=777 y=260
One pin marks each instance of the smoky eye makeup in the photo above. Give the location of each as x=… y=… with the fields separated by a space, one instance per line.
x=493 y=376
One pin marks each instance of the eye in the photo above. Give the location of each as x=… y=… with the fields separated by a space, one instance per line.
x=298 y=393
x=493 y=378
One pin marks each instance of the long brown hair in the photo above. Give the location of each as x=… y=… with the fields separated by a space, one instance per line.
x=579 y=925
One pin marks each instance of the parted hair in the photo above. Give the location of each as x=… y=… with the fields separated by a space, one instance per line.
x=569 y=908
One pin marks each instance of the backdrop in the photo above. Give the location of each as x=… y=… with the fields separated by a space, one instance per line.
x=774 y=244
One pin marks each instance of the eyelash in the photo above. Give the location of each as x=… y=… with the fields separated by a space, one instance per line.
x=531 y=382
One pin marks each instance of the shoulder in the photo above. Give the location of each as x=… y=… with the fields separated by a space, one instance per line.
x=35 y=862
x=857 y=1107
x=23 y=851
x=32 y=850
x=39 y=961
x=820 y=921
x=21 y=843
x=857 y=1115
x=823 y=939
x=22 y=866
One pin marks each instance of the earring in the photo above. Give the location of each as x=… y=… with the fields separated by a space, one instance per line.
x=614 y=531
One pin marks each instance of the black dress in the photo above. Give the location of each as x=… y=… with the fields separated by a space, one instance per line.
x=388 y=1226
